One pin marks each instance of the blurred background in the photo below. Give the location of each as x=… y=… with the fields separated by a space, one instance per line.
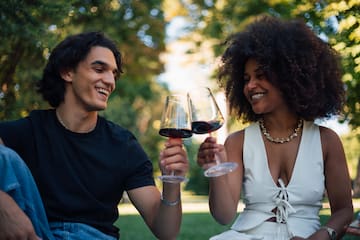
x=167 y=46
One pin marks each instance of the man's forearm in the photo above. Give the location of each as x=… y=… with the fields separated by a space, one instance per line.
x=168 y=221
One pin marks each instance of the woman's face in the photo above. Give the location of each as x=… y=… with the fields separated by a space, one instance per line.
x=262 y=95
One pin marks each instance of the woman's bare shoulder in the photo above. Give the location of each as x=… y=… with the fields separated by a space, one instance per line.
x=235 y=138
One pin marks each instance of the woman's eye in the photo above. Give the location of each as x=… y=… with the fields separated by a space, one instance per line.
x=260 y=76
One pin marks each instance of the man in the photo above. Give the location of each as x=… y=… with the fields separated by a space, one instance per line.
x=80 y=161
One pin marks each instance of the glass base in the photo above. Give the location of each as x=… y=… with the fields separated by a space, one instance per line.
x=220 y=169
x=172 y=179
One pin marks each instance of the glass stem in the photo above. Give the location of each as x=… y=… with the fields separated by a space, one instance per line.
x=217 y=161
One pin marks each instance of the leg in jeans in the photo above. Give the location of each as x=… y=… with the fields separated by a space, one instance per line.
x=17 y=181
x=77 y=231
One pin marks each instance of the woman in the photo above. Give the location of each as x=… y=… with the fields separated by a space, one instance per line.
x=280 y=77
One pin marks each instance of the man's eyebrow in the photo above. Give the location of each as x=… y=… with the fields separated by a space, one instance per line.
x=99 y=62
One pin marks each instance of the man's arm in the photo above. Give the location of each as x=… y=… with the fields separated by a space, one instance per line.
x=14 y=224
x=157 y=214
x=159 y=211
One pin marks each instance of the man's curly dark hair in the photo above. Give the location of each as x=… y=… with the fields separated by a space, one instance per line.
x=293 y=58
x=66 y=56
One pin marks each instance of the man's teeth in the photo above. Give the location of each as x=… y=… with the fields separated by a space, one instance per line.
x=103 y=91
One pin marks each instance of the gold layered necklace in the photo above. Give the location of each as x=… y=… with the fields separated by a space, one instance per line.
x=280 y=140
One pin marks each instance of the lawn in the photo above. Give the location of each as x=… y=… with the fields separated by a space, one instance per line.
x=195 y=226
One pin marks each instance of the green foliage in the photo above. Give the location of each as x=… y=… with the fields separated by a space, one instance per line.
x=198 y=184
x=24 y=37
x=352 y=149
x=346 y=40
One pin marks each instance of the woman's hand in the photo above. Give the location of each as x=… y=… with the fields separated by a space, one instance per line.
x=210 y=153
x=174 y=158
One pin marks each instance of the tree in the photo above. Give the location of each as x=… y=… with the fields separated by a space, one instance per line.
x=30 y=30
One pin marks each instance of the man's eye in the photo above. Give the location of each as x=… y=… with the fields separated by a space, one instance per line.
x=99 y=70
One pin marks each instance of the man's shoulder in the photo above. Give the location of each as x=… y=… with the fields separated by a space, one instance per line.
x=40 y=113
x=116 y=129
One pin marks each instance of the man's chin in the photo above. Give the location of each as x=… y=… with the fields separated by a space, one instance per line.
x=99 y=108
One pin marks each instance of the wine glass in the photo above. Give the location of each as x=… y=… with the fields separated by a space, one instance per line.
x=175 y=123
x=207 y=118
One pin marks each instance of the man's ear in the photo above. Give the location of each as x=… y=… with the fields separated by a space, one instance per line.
x=66 y=74
x=1 y=142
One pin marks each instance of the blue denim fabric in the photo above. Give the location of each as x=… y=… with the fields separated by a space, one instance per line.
x=77 y=231
x=17 y=181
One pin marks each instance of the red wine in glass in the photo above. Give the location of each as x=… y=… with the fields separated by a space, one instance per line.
x=201 y=127
x=175 y=123
x=207 y=118
x=175 y=133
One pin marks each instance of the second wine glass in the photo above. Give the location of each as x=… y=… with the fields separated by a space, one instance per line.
x=207 y=118
x=175 y=123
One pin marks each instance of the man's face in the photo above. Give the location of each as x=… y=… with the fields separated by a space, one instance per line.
x=92 y=82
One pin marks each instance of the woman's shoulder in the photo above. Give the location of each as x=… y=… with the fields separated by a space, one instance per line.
x=330 y=141
x=327 y=134
x=235 y=138
x=239 y=134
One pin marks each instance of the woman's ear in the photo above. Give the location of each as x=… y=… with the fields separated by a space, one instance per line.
x=66 y=74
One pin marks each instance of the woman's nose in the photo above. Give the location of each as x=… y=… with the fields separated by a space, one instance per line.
x=252 y=83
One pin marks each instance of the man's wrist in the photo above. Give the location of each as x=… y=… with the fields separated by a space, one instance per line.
x=170 y=203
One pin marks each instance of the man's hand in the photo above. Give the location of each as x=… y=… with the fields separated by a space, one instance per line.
x=174 y=158
x=14 y=223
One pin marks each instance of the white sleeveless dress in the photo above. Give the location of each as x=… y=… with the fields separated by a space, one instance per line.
x=298 y=204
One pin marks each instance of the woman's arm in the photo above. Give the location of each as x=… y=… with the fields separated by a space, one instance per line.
x=337 y=183
x=224 y=191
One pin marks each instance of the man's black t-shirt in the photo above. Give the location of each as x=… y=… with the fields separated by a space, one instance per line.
x=81 y=176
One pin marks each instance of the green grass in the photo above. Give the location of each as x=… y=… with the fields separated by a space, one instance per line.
x=195 y=225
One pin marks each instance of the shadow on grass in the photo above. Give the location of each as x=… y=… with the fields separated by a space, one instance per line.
x=195 y=226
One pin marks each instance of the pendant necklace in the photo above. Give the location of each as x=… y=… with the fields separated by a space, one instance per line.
x=281 y=139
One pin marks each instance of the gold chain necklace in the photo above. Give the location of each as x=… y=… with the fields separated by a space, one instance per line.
x=280 y=140
x=66 y=127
